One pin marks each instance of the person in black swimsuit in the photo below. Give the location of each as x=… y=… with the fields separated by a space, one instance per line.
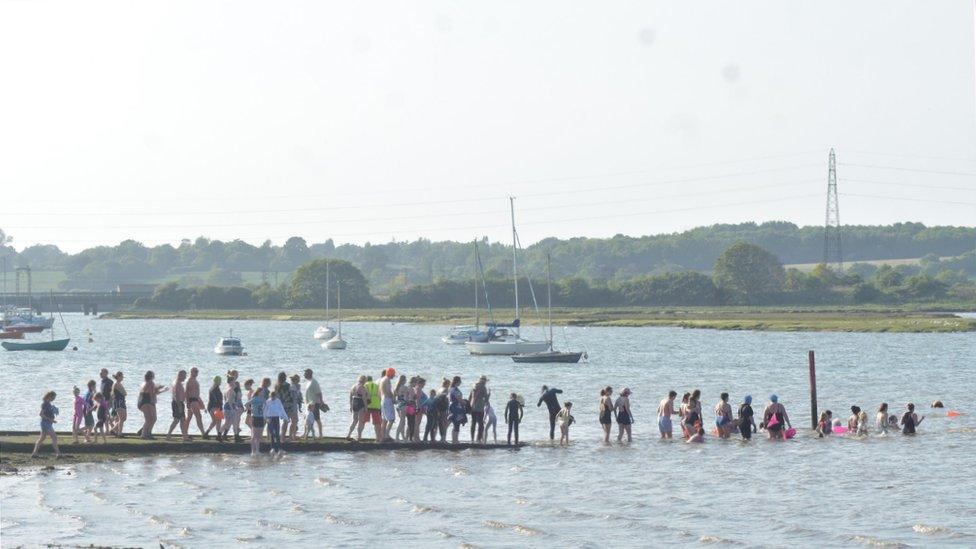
x=747 y=421
x=910 y=420
x=552 y=403
x=606 y=412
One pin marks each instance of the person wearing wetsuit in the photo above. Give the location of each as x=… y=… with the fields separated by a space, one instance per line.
x=747 y=422
x=552 y=403
x=513 y=416
x=910 y=420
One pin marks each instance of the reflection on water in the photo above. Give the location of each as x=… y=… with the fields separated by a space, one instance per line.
x=891 y=491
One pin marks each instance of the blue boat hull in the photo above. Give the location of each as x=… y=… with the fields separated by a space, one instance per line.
x=53 y=345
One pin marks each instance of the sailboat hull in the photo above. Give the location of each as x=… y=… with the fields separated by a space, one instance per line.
x=506 y=347
x=548 y=357
x=325 y=332
x=53 y=345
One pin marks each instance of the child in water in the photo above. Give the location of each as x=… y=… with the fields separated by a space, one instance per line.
x=862 y=423
x=565 y=418
x=697 y=437
x=823 y=426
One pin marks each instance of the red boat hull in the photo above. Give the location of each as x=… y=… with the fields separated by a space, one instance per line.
x=25 y=329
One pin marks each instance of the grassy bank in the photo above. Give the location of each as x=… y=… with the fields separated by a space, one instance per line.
x=915 y=318
x=16 y=448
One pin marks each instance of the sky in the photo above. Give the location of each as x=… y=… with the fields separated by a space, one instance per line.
x=375 y=121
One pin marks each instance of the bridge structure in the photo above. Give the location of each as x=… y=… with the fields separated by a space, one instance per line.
x=84 y=302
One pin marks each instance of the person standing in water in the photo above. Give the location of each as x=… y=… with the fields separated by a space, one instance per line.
x=606 y=412
x=683 y=413
x=723 y=416
x=624 y=418
x=565 y=419
x=513 y=416
x=664 y=412
x=747 y=420
x=910 y=420
x=693 y=413
x=881 y=419
x=48 y=414
x=552 y=403
x=774 y=417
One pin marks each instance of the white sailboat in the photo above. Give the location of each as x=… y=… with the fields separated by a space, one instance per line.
x=325 y=331
x=550 y=354
x=337 y=343
x=505 y=339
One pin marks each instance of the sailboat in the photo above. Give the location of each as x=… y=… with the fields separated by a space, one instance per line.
x=337 y=342
x=550 y=355
x=459 y=335
x=505 y=339
x=325 y=331
x=52 y=345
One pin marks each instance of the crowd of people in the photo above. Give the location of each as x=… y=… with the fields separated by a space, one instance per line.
x=402 y=409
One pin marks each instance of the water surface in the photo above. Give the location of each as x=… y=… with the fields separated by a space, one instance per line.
x=894 y=491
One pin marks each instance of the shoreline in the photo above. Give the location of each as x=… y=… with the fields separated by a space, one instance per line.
x=16 y=448
x=867 y=319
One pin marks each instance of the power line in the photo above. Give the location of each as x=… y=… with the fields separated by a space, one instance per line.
x=919 y=170
x=909 y=199
x=918 y=185
x=902 y=155
x=400 y=218
x=480 y=198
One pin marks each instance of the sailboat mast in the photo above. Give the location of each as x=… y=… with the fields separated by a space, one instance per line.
x=511 y=201
x=477 y=311
x=549 y=297
x=328 y=289
x=339 y=303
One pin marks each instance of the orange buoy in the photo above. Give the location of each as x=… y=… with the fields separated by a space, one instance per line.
x=952 y=413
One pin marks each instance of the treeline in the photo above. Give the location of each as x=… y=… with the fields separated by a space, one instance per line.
x=395 y=266
x=743 y=274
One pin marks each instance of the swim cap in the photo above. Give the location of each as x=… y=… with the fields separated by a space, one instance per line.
x=748 y=399
x=774 y=398
x=390 y=372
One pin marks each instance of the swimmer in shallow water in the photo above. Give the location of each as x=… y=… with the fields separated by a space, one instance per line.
x=624 y=417
x=565 y=418
x=747 y=418
x=664 y=412
x=723 y=416
x=606 y=412
x=698 y=437
x=823 y=426
x=910 y=420
x=774 y=417
x=881 y=419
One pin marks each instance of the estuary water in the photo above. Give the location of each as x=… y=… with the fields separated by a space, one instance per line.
x=881 y=491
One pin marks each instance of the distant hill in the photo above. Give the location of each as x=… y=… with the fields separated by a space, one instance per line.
x=396 y=265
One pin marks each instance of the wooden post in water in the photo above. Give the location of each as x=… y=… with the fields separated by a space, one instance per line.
x=813 y=390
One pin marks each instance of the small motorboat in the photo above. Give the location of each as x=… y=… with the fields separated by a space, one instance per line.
x=459 y=335
x=229 y=346
x=549 y=356
x=52 y=345
x=11 y=335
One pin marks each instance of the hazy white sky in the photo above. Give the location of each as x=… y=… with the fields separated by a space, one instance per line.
x=366 y=121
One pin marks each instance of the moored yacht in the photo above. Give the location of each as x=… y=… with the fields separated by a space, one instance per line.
x=229 y=346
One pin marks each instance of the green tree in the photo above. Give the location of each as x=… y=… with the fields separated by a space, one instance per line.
x=748 y=273
x=307 y=289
